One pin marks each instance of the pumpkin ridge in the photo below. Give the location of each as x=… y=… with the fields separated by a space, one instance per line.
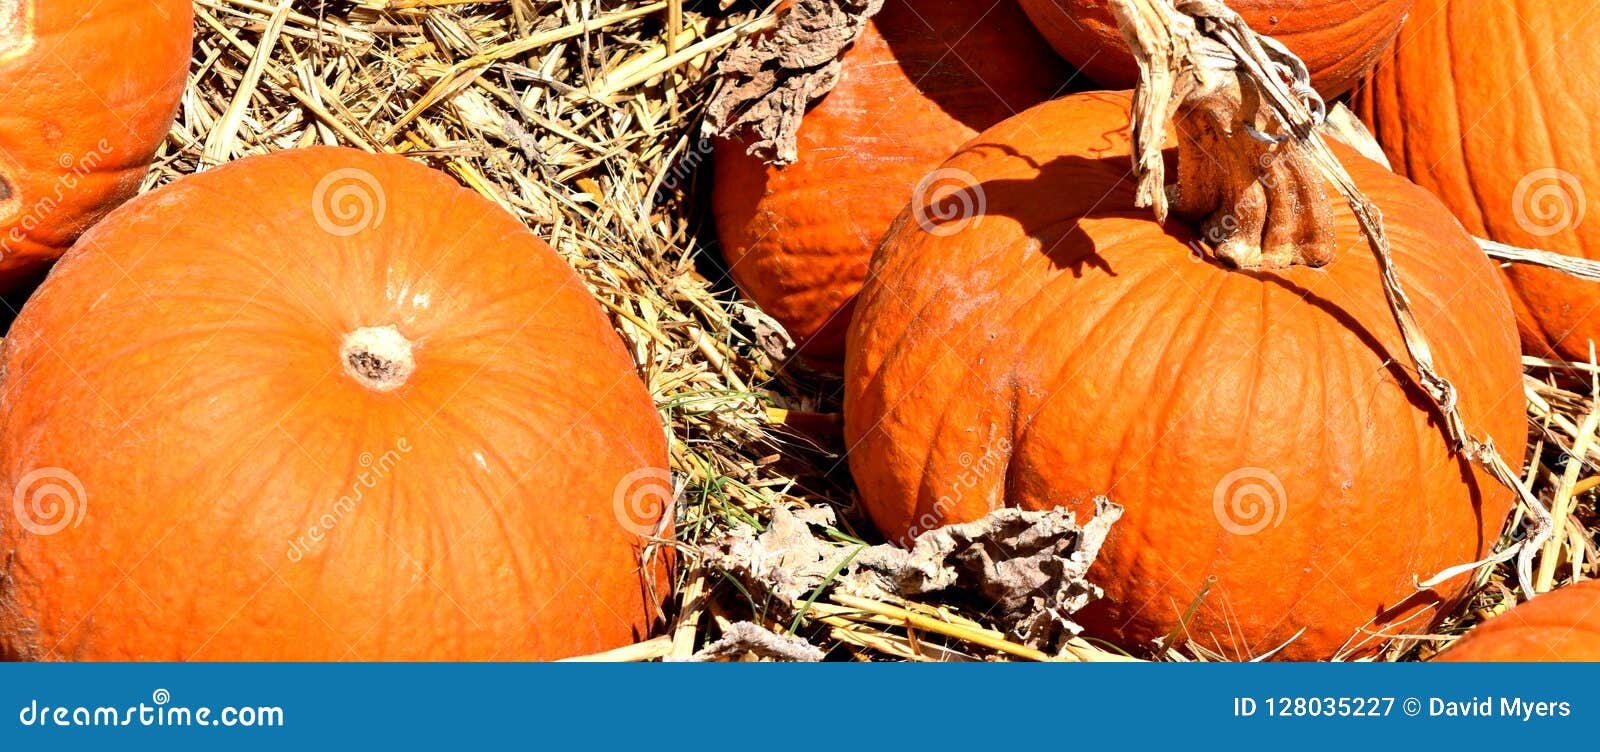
x=1480 y=215
x=1105 y=311
x=1166 y=351
x=1249 y=407
x=965 y=329
x=1548 y=336
x=1121 y=472
x=1134 y=293
x=1029 y=343
x=922 y=502
x=950 y=282
x=1330 y=446
x=927 y=499
x=460 y=430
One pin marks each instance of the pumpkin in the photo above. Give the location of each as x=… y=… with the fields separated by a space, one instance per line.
x=1562 y=625
x=1338 y=40
x=921 y=79
x=1283 y=474
x=322 y=405
x=1477 y=105
x=90 y=92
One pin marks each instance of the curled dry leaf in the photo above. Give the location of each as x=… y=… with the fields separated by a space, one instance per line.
x=770 y=79
x=1030 y=564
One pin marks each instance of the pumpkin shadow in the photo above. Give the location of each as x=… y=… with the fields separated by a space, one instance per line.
x=949 y=65
x=1053 y=223
x=12 y=301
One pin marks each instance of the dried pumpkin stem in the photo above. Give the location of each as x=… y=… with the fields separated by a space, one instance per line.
x=378 y=357
x=1258 y=200
x=1259 y=203
x=1177 y=44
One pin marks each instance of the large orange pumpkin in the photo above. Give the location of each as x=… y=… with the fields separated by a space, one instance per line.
x=321 y=405
x=1278 y=464
x=1483 y=103
x=87 y=93
x=1339 y=40
x=922 y=78
x=1563 y=625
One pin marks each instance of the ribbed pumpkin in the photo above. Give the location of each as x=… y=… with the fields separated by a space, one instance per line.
x=922 y=79
x=89 y=91
x=1339 y=40
x=1261 y=428
x=1484 y=103
x=321 y=405
x=1562 y=625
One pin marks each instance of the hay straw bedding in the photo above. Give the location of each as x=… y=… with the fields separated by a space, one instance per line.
x=582 y=117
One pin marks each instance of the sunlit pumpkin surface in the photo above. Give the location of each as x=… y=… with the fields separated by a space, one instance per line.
x=321 y=405
x=1261 y=428
x=87 y=93
x=1489 y=105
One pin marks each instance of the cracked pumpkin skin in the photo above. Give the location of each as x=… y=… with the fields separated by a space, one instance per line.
x=1562 y=625
x=183 y=362
x=1478 y=99
x=922 y=79
x=1339 y=40
x=1069 y=339
x=87 y=95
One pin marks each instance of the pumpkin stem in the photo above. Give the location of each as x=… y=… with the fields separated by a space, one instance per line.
x=379 y=357
x=1260 y=204
x=1258 y=198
